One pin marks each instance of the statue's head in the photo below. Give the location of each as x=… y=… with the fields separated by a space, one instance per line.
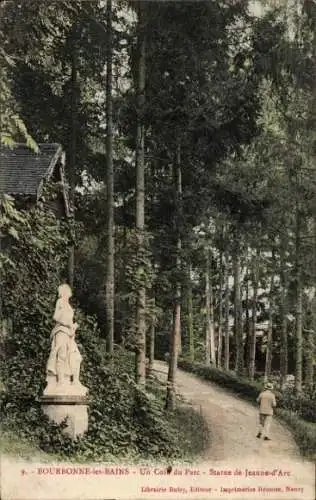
x=64 y=291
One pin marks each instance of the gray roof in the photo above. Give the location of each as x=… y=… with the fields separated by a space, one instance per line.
x=22 y=171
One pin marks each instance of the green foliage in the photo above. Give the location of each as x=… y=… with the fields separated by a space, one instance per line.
x=242 y=387
x=303 y=405
x=32 y=258
x=14 y=445
x=132 y=269
x=89 y=284
x=193 y=432
x=55 y=51
x=304 y=432
x=12 y=127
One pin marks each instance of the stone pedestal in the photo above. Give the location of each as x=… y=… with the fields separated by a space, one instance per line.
x=71 y=407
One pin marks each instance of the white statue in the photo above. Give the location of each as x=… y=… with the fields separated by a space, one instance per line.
x=63 y=366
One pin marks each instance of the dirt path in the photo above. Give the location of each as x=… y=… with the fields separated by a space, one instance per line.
x=233 y=424
x=233 y=428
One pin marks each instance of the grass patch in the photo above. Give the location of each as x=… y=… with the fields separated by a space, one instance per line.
x=193 y=432
x=15 y=446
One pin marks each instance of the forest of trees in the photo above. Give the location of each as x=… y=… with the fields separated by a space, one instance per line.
x=189 y=132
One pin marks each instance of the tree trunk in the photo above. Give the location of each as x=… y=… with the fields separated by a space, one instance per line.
x=212 y=325
x=109 y=285
x=72 y=157
x=178 y=182
x=190 y=316
x=180 y=295
x=227 y=302
x=309 y=355
x=140 y=199
x=71 y=265
x=208 y=312
x=1 y=299
x=210 y=355
x=252 y=360
x=152 y=343
x=311 y=333
x=220 y=313
x=239 y=365
x=176 y=329
x=299 y=307
x=268 y=361
x=284 y=342
x=247 y=322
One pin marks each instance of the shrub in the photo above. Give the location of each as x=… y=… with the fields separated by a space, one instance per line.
x=239 y=386
x=303 y=432
x=303 y=405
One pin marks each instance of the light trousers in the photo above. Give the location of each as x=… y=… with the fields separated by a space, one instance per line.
x=264 y=424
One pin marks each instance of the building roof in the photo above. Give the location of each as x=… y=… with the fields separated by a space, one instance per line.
x=22 y=171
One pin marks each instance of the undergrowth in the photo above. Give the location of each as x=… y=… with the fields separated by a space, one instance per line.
x=125 y=422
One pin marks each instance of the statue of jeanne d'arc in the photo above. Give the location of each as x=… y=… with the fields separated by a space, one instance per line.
x=63 y=366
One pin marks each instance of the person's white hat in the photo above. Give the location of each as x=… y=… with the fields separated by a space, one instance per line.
x=268 y=385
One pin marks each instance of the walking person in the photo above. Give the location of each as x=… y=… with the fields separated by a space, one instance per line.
x=267 y=402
